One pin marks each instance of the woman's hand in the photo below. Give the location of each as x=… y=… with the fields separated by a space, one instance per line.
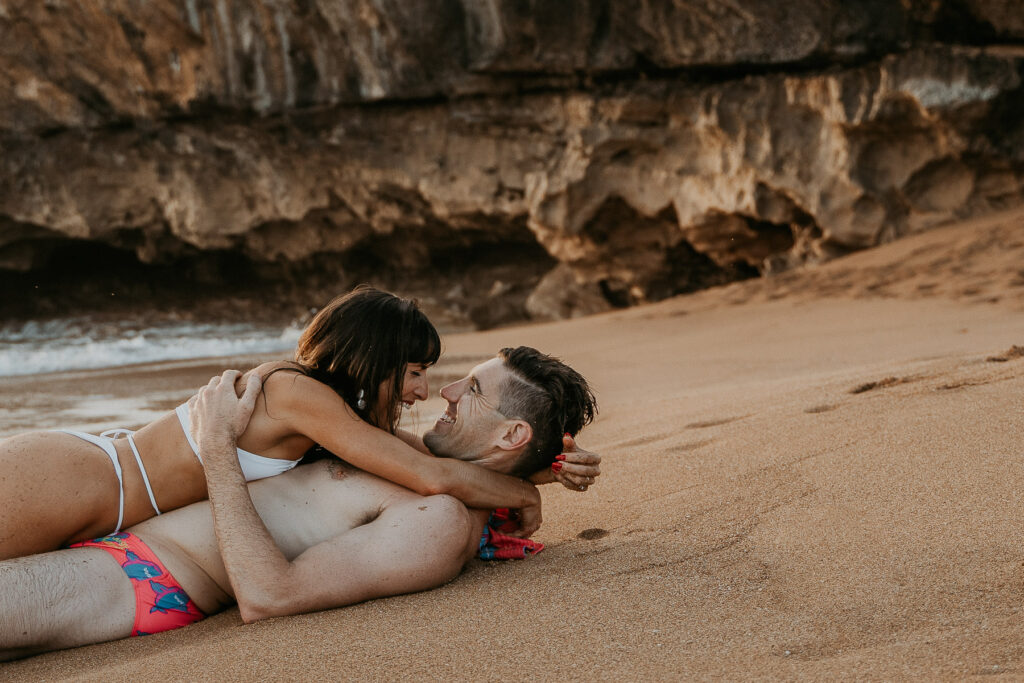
x=575 y=468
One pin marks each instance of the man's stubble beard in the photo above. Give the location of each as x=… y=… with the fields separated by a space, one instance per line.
x=435 y=443
x=447 y=446
x=467 y=441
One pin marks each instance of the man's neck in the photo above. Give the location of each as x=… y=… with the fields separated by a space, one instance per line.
x=498 y=461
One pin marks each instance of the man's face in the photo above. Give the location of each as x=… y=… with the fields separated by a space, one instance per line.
x=471 y=425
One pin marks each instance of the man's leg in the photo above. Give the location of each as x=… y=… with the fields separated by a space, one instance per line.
x=63 y=599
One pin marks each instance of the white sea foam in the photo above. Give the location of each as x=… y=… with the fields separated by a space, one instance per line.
x=80 y=344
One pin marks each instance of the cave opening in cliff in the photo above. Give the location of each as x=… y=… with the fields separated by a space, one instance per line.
x=1004 y=125
x=76 y=277
x=652 y=259
x=479 y=267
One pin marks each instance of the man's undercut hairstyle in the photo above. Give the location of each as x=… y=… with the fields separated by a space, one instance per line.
x=550 y=396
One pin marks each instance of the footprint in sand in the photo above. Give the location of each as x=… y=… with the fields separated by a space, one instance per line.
x=692 y=446
x=592 y=534
x=881 y=384
x=714 y=423
x=961 y=384
x=644 y=440
x=1010 y=354
x=824 y=408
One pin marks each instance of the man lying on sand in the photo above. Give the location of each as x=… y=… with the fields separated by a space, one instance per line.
x=320 y=536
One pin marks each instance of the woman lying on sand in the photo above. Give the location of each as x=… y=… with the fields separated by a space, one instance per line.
x=359 y=360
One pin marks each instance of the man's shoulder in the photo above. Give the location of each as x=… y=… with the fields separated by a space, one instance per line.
x=451 y=527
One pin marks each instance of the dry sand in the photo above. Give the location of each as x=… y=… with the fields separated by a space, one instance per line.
x=818 y=475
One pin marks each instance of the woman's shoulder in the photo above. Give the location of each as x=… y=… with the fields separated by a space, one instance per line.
x=264 y=370
x=289 y=378
x=291 y=395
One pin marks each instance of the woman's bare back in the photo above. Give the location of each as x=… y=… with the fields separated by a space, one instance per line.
x=59 y=489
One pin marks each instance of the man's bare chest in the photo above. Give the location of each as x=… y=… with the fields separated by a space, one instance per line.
x=321 y=501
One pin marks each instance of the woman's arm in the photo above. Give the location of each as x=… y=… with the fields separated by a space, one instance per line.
x=413 y=440
x=315 y=410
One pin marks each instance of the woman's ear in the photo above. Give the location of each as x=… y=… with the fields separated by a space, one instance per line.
x=516 y=434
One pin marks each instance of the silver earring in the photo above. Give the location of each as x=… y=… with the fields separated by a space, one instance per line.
x=360 y=401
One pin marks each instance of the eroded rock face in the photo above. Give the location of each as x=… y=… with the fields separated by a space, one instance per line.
x=549 y=159
x=73 y=64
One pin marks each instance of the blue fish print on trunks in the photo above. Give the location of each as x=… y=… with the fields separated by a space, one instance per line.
x=168 y=599
x=114 y=541
x=137 y=568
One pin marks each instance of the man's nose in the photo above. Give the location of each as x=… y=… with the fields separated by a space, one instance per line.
x=450 y=392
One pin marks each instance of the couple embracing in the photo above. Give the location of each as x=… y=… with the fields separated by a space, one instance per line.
x=119 y=523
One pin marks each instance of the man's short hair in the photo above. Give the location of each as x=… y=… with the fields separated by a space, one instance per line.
x=549 y=395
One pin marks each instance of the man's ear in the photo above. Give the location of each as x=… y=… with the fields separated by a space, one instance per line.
x=515 y=435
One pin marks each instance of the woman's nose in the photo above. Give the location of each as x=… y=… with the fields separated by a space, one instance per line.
x=421 y=390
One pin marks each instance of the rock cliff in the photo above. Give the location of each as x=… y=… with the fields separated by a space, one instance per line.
x=515 y=159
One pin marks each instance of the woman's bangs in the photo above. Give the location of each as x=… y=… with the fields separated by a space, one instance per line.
x=424 y=344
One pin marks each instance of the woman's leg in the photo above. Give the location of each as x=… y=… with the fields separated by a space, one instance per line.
x=55 y=488
x=66 y=598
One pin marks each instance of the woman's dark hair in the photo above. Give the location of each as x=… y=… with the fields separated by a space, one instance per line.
x=362 y=339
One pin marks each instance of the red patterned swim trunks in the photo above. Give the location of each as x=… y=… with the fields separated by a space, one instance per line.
x=160 y=602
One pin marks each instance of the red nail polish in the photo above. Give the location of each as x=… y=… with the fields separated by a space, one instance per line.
x=559 y=457
x=556 y=467
x=568 y=435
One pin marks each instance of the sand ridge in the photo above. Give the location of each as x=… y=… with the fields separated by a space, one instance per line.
x=795 y=486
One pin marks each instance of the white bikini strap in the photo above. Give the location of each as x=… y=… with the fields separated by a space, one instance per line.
x=120 y=489
x=108 y=448
x=114 y=433
x=186 y=426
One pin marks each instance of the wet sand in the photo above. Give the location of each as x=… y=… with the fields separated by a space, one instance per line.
x=817 y=475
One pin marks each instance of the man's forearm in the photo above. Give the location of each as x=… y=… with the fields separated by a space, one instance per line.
x=254 y=563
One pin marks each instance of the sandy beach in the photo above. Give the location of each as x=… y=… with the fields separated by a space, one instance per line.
x=814 y=475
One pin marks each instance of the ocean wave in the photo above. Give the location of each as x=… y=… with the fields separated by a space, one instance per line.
x=80 y=344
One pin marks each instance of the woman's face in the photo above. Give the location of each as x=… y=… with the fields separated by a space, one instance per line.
x=414 y=388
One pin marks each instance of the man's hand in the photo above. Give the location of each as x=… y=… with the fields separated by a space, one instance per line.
x=529 y=515
x=254 y=563
x=575 y=468
x=217 y=413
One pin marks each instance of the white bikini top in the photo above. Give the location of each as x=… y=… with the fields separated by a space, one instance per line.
x=253 y=466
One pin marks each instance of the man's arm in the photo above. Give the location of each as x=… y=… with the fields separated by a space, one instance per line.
x=413 y=546
x=409 y=547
